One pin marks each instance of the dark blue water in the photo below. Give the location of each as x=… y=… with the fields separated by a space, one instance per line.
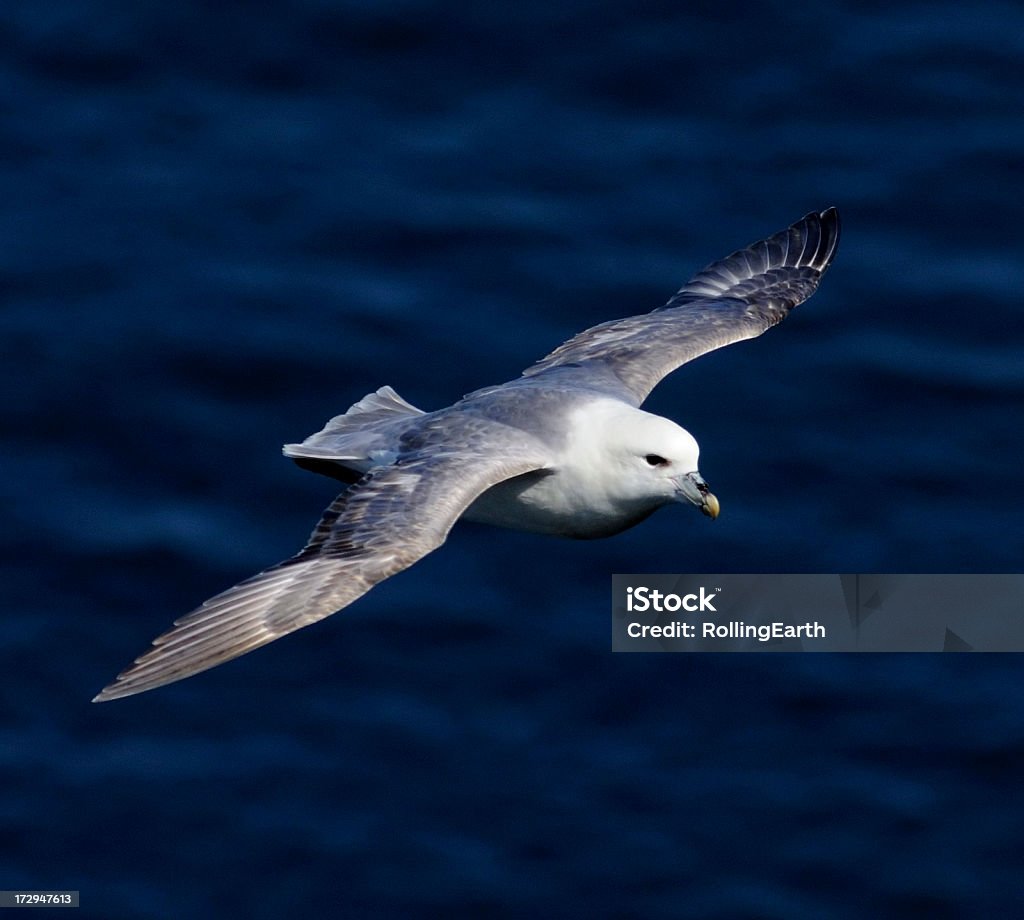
x=223 y=223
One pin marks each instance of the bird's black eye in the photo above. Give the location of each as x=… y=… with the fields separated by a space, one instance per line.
x=655 y=460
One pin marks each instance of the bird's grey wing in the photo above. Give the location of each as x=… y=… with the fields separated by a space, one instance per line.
x=736 y=298
x=384 y=523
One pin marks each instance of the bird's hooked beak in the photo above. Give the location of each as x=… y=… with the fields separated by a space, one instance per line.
x=694 y=489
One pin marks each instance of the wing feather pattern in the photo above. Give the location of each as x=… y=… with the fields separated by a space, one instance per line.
x=736 y=298
x=384 y=523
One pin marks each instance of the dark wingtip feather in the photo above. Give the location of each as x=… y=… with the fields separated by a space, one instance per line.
x=781 y=270
x=828 y=227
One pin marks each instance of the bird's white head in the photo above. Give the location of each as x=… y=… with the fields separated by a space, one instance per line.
x=655 y=459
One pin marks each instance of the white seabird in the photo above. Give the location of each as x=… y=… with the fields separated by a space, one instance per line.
x=564 y=450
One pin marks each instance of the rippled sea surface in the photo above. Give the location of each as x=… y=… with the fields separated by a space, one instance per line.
x=223 y=223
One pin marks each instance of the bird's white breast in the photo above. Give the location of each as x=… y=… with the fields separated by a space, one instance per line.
x=581 y=495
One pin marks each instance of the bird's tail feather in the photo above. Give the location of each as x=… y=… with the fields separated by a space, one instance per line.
x=359 y=431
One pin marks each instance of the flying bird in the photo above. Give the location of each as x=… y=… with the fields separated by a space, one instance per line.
x=564 y=449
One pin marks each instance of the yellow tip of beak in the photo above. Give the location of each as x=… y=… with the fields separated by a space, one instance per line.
x=710 y=506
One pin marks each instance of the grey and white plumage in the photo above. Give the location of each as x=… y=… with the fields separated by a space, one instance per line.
x=563 y=450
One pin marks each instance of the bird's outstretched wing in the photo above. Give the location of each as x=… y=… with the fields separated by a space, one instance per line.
x=736 y=298
x=384 y=523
